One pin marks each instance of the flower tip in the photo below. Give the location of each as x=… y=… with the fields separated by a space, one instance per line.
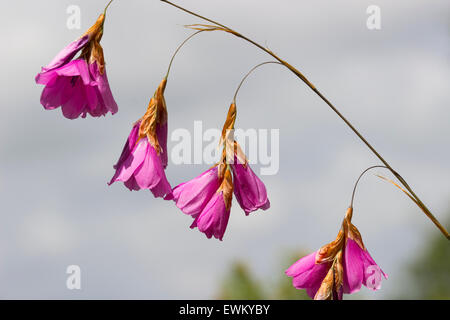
x=169 y=196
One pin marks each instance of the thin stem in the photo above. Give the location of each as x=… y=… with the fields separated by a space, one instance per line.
x=246 y=76
x=107 y=6
x=359 y=178
x=178 y=49
x=309 y=84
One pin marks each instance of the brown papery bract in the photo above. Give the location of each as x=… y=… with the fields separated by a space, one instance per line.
x=93 y=52
x=156 y=115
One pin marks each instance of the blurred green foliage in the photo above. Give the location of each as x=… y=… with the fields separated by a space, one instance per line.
x=429 y=274
x=241 y=284
x=427 y=277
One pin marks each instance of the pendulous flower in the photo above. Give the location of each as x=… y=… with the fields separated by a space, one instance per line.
x=79 y=86
x=249 y=190
x=208 y=197
x=144 y=157
x=339 y=267
x=213 y=219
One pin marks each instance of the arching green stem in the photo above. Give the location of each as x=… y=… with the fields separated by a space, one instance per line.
x=347 y=122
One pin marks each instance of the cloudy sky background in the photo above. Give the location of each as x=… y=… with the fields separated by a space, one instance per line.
x=56 y=209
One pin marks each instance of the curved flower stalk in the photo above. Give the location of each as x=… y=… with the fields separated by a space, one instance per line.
x=144 y=157
x=79 y=86
x=216 y=26
x=142 y=166
x=208 y=197
x=342 y=266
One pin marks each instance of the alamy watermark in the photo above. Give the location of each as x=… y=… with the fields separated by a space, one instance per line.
x=73 y=281
x=261 y=146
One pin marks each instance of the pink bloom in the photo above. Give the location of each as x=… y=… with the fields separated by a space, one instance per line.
x=140 y=167
x=213 y=219
x=144 y=157
x=193 y=196
x=341 y=266
x=207 y=198
x=249 y=190
x=78 y=86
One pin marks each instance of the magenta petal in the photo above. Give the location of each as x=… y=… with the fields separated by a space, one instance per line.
x=150 y=175
x=307 y=274
x=65 y=55
x=302 y=265
x=146 y=175
x=75 y=101
x=56 y=93
x=315 y=278
x=139 y=167
x=353 y=267
x=249 y=190
x=76 y=68
x=129 y=145
x=372 y=272
x=161 y=133
x=132 y=162
x=132 y=184
x=192 y=196
x=213 y=220
x=105 y=96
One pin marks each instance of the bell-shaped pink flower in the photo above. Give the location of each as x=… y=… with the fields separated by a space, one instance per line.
x=207 y=198
x=79 y=86
x=339 y=267
x=140 y=167
x=213 y=219
x=144 y=156
x=193 y=196
x=249 y=190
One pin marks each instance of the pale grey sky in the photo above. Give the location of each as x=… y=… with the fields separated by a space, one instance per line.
x=57 y=210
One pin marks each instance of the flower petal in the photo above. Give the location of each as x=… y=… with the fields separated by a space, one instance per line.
x=65 y=55
x=132 y=162
x=213 y=219
x=353 y=267
x=192 y=196
x=249 y=190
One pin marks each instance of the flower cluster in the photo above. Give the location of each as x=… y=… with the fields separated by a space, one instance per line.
x=208 y=197
x=339 y=267
x=79 y=86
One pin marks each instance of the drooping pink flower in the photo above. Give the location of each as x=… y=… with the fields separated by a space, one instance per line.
x=79 y=86
x=207 y=198
x=193 y=196
x=339 y=267
x=213 y=219
x=249 y=190
x=142 y=162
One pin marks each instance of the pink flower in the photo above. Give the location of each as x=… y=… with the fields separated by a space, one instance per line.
x=144 y=156
x=339 y=267
x=249 y=190
x=193 y=196
x=213 y=218
x=208 y=197
x=79 y=86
